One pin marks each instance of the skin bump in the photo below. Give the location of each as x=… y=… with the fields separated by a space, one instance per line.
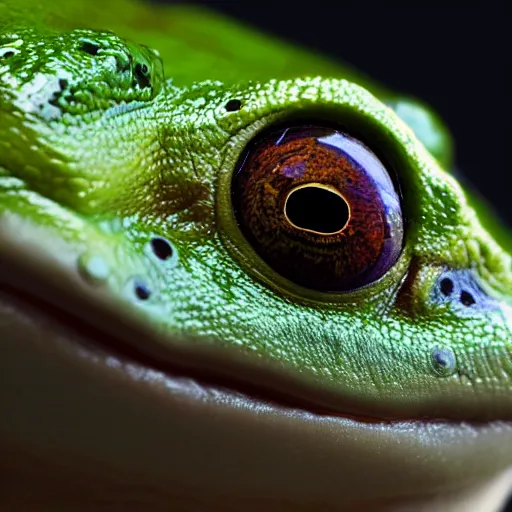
x=444 y=361
x=93 y=268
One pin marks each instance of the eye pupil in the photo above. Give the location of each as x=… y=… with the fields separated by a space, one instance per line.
x=317 y=208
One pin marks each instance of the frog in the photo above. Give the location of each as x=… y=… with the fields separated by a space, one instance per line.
x=237 y=275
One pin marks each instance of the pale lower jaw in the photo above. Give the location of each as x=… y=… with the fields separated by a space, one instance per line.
x=112 y=429
x=36 y=486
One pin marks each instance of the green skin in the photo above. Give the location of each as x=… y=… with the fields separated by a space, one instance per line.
x=230 y=387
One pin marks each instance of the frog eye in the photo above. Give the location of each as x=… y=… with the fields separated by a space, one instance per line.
x=319 y=207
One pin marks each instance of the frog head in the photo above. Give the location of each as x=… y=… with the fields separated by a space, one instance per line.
x=263 y=289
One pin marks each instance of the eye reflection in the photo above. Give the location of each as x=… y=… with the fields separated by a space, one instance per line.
x=319 y=207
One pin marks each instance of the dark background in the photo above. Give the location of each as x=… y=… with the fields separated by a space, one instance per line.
x=457 y=59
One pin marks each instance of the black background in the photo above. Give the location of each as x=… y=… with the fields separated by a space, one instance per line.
x=455 y=58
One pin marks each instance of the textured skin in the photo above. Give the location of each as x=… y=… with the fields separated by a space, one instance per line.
x=156 y=163
x=105 y=158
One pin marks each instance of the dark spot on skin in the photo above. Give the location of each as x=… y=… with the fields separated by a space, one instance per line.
x=90 y=48
x=143 y=75
x=467 y=299
x=161 y=248
x=446 y=286
x=462 y=291
x=233 y=105
x=63 y=83
x=142 y=290
x=443 y=361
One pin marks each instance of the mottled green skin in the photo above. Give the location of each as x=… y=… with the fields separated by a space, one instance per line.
x=106 y=163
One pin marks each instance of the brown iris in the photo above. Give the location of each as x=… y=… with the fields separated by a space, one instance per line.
x=319 y=207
